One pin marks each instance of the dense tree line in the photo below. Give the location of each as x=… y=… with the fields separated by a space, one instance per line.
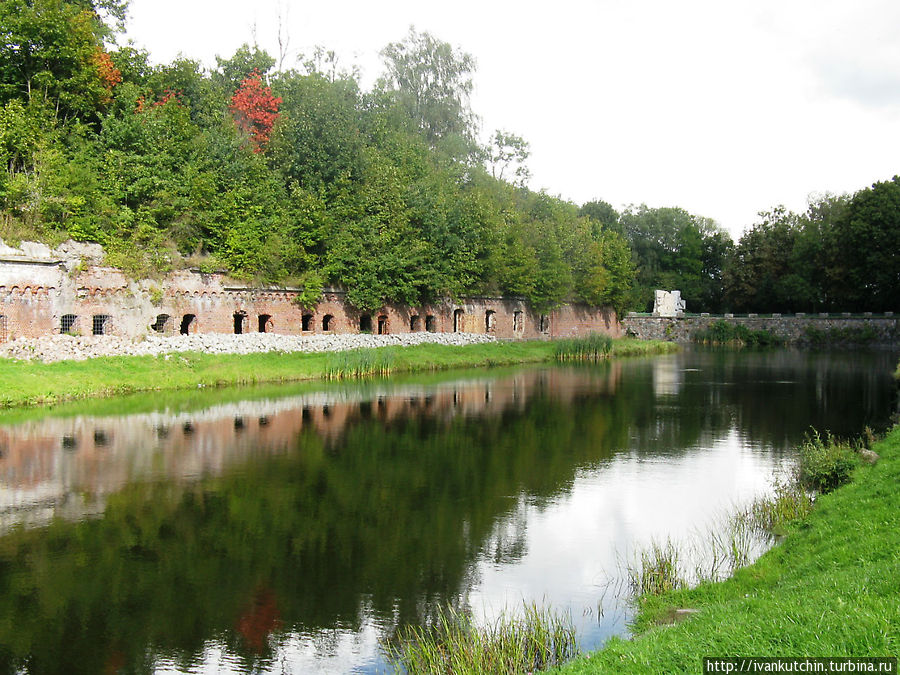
x=294 y=176
x=301 y=177
x=841 y=255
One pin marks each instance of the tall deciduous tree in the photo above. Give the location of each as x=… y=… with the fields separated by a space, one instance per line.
x=255 y=110
x=51 y=54
x=432 y=81
x=601 y=213
x=675 y=250
x=868 y=238
x=508 y=153
x=246 y=60
x=758 y=272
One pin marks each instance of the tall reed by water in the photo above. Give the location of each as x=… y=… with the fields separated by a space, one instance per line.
x=537 y=640
x=788 y=503
x=355 y=363
x=655 y=571
x=593 y=347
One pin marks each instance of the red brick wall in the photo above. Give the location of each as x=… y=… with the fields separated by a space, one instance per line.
x=34 y=298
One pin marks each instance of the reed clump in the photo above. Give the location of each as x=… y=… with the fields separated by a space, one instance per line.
x=594 y=347
x=655 y=571
x=709 y=556
x=788 y=503
x=356 y=363
x=537 y=640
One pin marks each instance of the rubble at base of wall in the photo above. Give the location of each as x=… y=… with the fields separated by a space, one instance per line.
x=74 y=348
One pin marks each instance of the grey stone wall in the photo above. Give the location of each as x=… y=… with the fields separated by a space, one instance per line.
x=795 y=328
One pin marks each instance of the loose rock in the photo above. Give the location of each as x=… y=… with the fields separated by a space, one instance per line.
x=78 y=348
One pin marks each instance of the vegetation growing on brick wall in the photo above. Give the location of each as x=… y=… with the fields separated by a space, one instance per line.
x=276 y=175
x=845 y=335
x=723 y=332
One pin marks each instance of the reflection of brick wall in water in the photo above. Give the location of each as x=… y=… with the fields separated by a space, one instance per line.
x=43 y=297
x=78 y=461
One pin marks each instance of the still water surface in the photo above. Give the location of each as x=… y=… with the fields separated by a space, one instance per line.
x=294 y=529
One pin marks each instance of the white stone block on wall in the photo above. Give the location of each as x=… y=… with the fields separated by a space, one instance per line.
x=668 y=303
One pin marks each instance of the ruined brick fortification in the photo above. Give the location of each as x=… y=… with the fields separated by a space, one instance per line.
x=43 y=292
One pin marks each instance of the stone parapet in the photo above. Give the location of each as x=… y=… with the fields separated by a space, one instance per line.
x=798 y=329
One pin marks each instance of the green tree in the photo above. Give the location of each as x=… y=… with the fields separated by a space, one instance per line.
x=319 y=140
x=757 y=277
x=867 y=234
x=601 y=213
x=674 y=250
x=49 y=56
x=508 y=152
x=432 y=82
x=232 y=71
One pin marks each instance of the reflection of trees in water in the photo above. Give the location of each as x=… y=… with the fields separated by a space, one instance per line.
x=769 y=397
x=381 y=521
x=384 y=520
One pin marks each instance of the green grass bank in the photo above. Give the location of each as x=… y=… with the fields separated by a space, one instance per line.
x=831 y=588
x=24 y=383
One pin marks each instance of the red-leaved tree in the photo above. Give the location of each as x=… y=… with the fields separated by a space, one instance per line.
x=107 y=72
x=255 y=110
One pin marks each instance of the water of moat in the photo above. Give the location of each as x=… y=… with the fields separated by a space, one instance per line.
x=294 y=529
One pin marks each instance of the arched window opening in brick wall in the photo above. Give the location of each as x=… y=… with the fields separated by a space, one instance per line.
x=162 y=324
x=188 y=324
x=101 y=324
x=239 y=318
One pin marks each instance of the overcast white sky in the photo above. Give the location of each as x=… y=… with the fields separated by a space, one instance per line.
x=722 y=108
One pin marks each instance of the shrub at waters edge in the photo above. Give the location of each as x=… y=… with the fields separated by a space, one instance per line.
x=454 y=643
x=788 y=503
x=826 y=463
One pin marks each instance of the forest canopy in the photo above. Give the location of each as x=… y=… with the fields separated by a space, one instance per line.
x=299 y=176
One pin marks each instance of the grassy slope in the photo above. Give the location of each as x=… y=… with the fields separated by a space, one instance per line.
x=832 y=588
x=27 y=383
